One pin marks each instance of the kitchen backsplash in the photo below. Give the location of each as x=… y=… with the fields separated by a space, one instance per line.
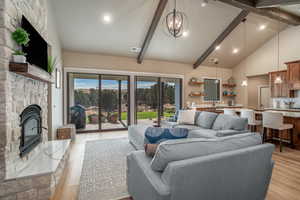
x=296 y=101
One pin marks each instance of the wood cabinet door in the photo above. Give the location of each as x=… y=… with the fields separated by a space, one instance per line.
x=294 y=72
x=280 y=89
x=285 y=90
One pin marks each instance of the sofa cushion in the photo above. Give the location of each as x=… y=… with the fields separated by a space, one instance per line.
x=202 y=133
x=197 y=113
x=227 y=122
x=189 y=127
x=156 y=135
x=225 y=133
x=175 y=150
x=186 y=117
x=206 y=119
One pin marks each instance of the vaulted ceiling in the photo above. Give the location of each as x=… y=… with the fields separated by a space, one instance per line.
x=82 y=27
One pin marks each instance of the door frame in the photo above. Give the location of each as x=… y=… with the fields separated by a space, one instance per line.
x=99 y=102
x=132 y=74
x=259 y=93
x=160 y=108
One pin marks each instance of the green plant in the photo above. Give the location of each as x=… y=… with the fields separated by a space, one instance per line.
x=19 y=53
x=21 y=37
x=51 y=64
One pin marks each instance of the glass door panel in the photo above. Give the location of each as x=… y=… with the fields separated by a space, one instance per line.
x=83 y=101
x=171 y=97
x=147 y=100
x=114 y=96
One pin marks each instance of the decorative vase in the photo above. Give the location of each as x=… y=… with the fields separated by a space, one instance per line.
x=19 y=59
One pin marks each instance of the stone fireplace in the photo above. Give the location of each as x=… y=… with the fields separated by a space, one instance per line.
x=27 y=168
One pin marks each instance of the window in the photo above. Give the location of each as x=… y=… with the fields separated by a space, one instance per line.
x=211 y=89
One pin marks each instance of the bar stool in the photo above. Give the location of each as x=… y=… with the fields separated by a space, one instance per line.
x=252 y=122
x=274 y=121
x=230 y=112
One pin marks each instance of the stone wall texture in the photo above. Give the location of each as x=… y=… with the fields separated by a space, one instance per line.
x=16 y=93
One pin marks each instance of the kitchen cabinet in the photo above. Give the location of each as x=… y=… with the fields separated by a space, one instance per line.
x=280 y=89
x=293 y=74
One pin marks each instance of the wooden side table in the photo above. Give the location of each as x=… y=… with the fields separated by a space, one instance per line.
x=66 y=132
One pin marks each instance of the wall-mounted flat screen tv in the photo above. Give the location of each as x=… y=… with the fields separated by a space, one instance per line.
x=37 y=49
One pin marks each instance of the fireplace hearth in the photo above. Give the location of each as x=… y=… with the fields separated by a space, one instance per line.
x=31 y=129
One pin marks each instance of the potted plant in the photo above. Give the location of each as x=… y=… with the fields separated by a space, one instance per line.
x=21 y=37
x=51 y=64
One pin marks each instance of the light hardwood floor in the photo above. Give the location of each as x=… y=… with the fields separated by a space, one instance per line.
x=285 y=183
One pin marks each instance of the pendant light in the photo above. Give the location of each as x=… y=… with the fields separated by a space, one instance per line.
x=176 y=22
x=245 y=82
x=278 y=79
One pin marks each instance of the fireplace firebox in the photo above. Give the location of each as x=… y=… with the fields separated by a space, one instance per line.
x=31 y=128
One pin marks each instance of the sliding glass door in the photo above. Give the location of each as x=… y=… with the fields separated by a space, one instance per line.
x=98 y=102
x=156 y=99
x=114 y=97
x=171 y=97
x=147 y=100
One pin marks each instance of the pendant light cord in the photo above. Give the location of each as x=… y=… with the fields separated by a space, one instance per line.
x=278 y=43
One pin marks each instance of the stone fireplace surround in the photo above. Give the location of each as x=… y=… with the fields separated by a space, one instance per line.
x=35 y=175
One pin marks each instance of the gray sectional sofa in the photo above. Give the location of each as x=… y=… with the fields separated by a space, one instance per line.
x=206 y=125
x=219 y=160
x=237 y=167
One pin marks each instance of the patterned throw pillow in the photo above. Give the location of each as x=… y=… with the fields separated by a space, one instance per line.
x=156 y=135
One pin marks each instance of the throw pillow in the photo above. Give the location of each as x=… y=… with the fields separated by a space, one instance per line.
x=156 y=135
x=186 y=117
x=206 y=119
x=150 y=149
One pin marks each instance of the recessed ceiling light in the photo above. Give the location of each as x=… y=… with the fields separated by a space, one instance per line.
x=262 y=27
x=107 y=18
x=235 y=50
x=185 y=33
x=204 y=3
x=218 y=47
x=135 y=49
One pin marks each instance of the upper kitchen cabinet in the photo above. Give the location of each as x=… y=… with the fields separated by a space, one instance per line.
x=293 y=71
x=280 y=89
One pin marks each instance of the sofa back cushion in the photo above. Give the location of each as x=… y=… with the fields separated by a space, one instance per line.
x=175 y=150
x=206 y=119
x=186 y=117
x=229 y=122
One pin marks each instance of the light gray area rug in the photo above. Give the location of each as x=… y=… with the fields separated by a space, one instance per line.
x=103 y=174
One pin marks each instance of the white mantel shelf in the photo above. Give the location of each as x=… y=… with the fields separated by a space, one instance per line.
x=30 y=71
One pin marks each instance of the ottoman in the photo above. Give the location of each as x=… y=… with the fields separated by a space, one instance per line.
x=136 y=135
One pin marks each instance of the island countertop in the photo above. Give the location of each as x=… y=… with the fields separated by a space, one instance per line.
x=291 y=114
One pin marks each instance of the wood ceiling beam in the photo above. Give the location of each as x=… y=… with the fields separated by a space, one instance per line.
x=275 y=3
x=156 y=18
x=273 y=13
x=237 y=20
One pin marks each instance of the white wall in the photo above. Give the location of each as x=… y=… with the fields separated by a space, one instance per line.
x=56 y=97
x=264 y=59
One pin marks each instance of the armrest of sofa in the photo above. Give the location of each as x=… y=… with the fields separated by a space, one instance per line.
x=143 y=182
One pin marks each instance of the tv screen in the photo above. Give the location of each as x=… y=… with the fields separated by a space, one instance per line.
x=37 y=49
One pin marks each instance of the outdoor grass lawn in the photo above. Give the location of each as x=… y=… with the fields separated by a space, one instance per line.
x=146 y=115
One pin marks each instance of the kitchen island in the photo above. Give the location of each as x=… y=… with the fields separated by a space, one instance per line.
x=290 y=117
